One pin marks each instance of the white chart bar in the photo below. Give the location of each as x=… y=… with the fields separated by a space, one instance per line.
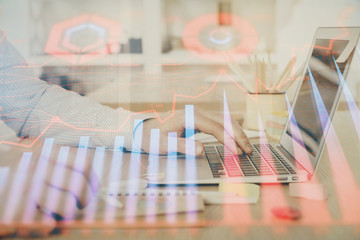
x=153 y=171
x=134 y=170
x=38 y=179
x=58 y=177
x=97 y=168
x=115 y=172
x=17 y=187
x=76 y=177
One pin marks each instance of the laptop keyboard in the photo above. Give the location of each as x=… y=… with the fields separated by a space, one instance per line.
x=263 y=161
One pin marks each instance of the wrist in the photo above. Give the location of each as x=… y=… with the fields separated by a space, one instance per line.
x=139 y=127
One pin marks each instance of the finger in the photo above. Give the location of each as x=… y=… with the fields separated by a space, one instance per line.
x=164 y=142
x=173 y=144
x=168 y=143
x=240 y=137
x=185 y=146
x=207 y=125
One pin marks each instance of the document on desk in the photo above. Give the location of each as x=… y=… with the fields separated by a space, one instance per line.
x=244 y=190
x=143 y=203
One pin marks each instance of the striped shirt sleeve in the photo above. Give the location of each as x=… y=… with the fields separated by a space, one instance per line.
x=35 y=108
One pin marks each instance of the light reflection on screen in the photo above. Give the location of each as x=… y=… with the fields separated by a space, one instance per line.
x=323 y=70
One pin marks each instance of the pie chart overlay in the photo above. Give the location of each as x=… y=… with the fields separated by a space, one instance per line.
x=211 y=41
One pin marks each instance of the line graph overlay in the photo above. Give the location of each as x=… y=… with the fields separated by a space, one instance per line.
x=57 y=120
x=176 y=96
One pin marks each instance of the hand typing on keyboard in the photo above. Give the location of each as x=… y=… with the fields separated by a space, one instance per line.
x=263 y=161
x=204 y=122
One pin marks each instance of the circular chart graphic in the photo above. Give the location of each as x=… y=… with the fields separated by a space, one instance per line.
x=209 y=40
x=83 y=38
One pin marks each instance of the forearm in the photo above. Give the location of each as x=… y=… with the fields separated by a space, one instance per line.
x=32 y=107
x=66 y=116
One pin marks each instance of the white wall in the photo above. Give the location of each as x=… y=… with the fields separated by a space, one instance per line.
x=295 y=20
x=296 y=25
x=14 y=21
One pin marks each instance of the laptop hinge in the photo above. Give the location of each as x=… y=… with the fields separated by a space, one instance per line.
x=290 y=157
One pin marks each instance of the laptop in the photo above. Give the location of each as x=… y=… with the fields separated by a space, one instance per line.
x=296 y=157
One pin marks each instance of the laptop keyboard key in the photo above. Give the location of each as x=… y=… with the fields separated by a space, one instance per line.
x=213 y=158
x=210 y=149
x=263 y=161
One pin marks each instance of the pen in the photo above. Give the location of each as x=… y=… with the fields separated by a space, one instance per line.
x=284 y=73
x=211 y=197
x=242 y=76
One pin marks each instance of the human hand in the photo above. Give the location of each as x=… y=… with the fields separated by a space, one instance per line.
x=203 y=122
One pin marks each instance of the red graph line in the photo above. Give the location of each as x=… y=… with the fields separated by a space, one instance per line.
x=162 y=120
x=31 y=144
x=221 y=73
x=294 y=51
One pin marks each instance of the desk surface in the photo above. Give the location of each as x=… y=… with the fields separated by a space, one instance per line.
x=335 y=218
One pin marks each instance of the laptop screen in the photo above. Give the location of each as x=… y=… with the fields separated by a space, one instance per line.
x=317 y=95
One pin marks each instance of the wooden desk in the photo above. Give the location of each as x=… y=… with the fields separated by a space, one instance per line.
x=336 y=218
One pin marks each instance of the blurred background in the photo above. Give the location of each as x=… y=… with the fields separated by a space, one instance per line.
x=138 y=54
